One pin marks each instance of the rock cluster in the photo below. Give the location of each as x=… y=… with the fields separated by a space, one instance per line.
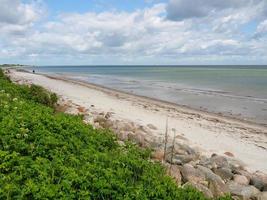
x=215 y=176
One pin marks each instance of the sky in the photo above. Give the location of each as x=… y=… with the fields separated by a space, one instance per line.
x=133 y=32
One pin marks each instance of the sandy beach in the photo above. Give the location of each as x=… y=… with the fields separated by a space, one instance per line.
x=209 y=133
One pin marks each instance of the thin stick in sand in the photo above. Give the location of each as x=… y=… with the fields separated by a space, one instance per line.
x=165 y=140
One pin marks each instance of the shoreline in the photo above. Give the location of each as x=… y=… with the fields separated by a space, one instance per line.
x=160 y=102
x=198 y=128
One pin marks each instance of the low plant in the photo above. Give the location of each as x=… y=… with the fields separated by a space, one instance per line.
x=48 y=155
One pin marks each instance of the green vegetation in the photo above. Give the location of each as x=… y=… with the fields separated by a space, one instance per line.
x=48 y=155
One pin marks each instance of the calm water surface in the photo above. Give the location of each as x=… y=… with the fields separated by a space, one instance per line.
x=240 y=91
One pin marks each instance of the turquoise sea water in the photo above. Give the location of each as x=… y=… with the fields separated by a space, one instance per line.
x=239 y=91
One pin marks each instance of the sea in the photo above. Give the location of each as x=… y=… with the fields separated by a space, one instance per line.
x=236 y=91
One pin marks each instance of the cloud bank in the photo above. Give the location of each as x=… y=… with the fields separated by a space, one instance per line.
x=175 y=32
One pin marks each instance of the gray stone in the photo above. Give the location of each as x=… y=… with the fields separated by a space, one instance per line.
x=151 y=126
x=139 y=139
x=184 y=148
x=158 y=154
x=108 y=115
x=219 y=161
x=180 y=159
x=216 y=184
x=235 y=164
x=262 y=196
x=244 y=173
x=174 y=172
x=201 y=188
x=225 y=173
x=259 y=180
x=240 y=179
x=190 y=174
x=242 y=191
x=204 y=161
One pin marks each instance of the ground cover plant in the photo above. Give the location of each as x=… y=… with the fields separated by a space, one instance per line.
x=50 y=155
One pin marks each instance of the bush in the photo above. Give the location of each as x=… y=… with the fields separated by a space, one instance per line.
x=40 y=95
x=34 y=93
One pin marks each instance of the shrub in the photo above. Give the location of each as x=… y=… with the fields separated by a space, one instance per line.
x=40 y=95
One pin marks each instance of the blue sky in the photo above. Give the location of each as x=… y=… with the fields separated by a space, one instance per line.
x=83 y=6
x=51 y=32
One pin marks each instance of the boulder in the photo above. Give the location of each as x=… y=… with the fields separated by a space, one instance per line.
x=204 y=161
x=262 y=196
x=183 y=148
x=174 y=172
x=215 y=182
x=180 y=159
x=139 y=139
x=123 y=135
x=108 y=115
x=244 y=173
x=235 y=164
x=225 y=173
x=201 y=188
x=151 y=126
x=229 y=154
x=158 y=154
x=190 y=174
x=259 y=180
x=242 y=191
x=219 y=161
x=240 y=179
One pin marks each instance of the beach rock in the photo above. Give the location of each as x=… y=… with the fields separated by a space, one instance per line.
x=216 y=184
x=183 y=149
x=204 y=161
x=151 y=126
x=235 y=164
x=229 y=154
x=219 y=161
x=107 y=124
x=225 y=173
x=244 y=173
x=262 y=196
x=242 y=191
x=201 y=188
x=158 y=155
x=174 y=161
x=139 y=139
x=124 y=126
x=259 y=180
x=174 y=172
x=123 y=135
x=108 y=115
x=100 y=119
x=240 y=179
x=190 y=174
x=185 y=158
x=142 y=129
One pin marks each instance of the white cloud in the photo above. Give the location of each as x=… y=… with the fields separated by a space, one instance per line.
x=262 y=29
x=184 y=9
x=141 y=36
